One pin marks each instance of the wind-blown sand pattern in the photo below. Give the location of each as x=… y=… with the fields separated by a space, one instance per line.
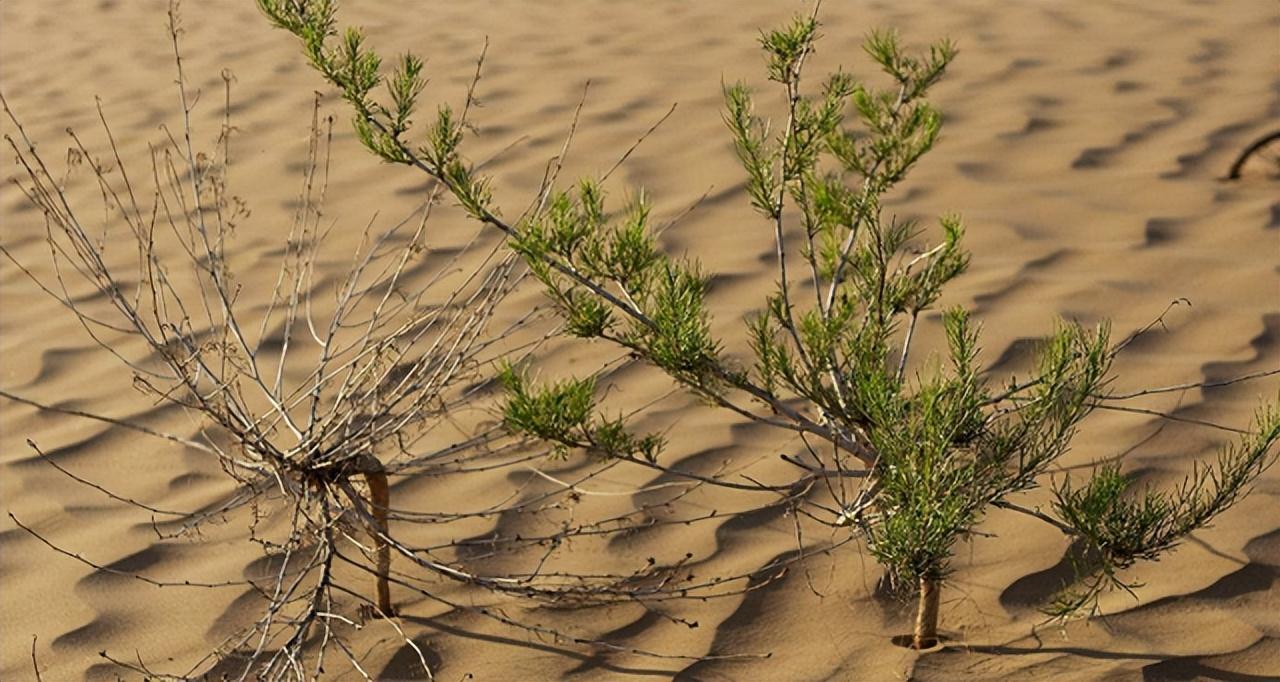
x=1083 y=145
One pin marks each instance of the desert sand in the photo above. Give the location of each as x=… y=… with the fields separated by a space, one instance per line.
x=1084 y=144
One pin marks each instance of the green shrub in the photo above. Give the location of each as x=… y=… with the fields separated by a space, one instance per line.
x=936 y=449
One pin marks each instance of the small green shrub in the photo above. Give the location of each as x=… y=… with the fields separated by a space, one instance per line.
x=935 y=450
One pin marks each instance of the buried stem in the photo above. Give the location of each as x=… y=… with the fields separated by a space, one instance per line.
x=1237 y=166
x=375 y=476
x=926 y=631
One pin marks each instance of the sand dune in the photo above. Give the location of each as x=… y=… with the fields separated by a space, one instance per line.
x=1084 y=145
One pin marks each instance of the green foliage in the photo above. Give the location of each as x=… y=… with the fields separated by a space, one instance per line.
x=664 y=298
x=550 y=412
x=750 y=138
x=679 y=340
x=914 y=73
x=562 y=413
x=1073 y=366
x=443 y=138
x=348 y=63
x=788 y=46
x=1119 y=527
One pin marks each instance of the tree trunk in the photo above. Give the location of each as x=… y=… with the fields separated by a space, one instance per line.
x=926 y=632
x=379 y=501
